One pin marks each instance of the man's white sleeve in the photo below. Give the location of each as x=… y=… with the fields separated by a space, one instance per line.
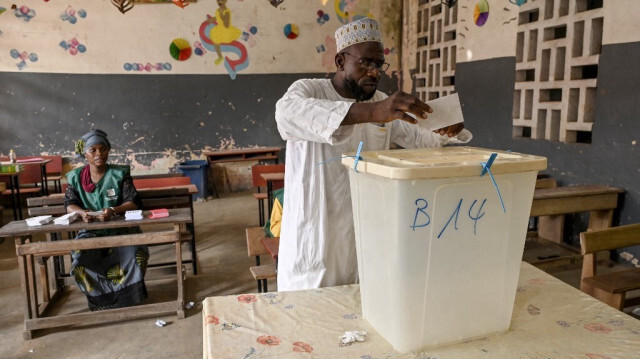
x=413 y=136
x=303 y=114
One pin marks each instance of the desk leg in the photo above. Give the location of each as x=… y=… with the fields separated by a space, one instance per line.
x=44 y=278
x=17 y=196
x=269 y=198
x=43 y=175
x=22 y=270
x=179 y=273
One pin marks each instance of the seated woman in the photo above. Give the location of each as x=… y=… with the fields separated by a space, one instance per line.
x=112 y=277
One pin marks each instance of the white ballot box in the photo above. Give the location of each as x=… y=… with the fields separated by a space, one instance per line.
x=439 y=246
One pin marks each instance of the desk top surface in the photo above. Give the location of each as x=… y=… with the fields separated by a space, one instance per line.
x=20 y=228
x=275 y=176
x=272 y=245
x=237 y=151
x=192 y=189
x=550 y=320
x=27 y=162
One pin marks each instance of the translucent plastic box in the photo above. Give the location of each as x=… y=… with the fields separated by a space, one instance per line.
x=438 y=256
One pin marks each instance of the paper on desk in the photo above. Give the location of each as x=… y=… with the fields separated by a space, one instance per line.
x=66 y=219
x=133 y=215
x=446 y=112
x=159 y=213
x=38 y=221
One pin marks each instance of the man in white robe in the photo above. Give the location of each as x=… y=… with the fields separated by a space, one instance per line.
x=321 y=119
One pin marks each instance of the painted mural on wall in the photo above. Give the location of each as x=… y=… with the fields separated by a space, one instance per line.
x=227 y=36
x=219 y=35
x=352 y=10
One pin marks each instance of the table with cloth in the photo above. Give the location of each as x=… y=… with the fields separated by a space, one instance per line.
x=550 y=319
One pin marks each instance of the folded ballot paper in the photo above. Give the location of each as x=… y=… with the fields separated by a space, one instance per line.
x=447 y=111
x=159 y=213
x=133 y=215
x=66 y=219
x=38 y=221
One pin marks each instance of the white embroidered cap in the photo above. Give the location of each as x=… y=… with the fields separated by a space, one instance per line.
x=362 y=30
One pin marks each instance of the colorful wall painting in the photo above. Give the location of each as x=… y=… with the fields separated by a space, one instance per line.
x=70 y=15
x=23 y=12
x=198 y=49
x=352 y=10
x=291 y=31
x=149 y=31
x=481 y=12
x=73 y=46
x=23 y=57
x=181 y=3
x=249 y=35
x=161 y=1
x=275 y=3
x=180 y=49
x=322 y=17
x=136 y=66
x=223 y=44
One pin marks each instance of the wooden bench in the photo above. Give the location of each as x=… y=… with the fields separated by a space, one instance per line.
x=255 y=248
x=600 y=201
x=610 y=288
x=37 y=309
x=262 y=273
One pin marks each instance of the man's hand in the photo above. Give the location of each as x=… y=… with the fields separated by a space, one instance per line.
x=396 y=107
x=450 y=131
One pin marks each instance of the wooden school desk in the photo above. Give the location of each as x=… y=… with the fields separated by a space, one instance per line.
x=36 y=307
x=260 y=154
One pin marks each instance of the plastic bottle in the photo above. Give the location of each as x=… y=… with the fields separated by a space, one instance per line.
x=12 y=156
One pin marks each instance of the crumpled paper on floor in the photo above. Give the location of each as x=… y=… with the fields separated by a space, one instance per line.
x=354 y=336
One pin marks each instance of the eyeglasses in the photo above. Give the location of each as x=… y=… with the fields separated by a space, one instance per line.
x=371 y=65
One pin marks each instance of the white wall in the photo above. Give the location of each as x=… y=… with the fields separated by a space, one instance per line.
x=143 y=35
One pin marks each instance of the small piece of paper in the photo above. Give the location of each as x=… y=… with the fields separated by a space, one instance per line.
x=95 y=213
x=350 y=337
x=446 y=112
x=159 y=213
x=66 y=219
x=133 y=215
x=160 y=323
x=38 y=221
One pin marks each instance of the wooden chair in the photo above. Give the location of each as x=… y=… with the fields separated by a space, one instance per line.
x=599 y=201
x=260 y=184
x=30 y=179
x=610 y=288
x=255 y=249
x=54 y=172
x=173 y=198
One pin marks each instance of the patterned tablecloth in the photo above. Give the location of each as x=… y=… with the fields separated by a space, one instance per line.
x=550 y=320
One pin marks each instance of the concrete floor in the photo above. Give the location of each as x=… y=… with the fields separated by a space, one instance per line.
x=223 y=270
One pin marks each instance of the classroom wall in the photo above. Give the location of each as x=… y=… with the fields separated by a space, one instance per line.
x=486 y=86
x=67 y=67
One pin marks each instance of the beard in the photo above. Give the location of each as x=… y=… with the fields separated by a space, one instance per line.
x=356 y=90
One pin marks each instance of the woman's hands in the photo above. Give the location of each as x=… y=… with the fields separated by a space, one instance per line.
x=105 y=215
